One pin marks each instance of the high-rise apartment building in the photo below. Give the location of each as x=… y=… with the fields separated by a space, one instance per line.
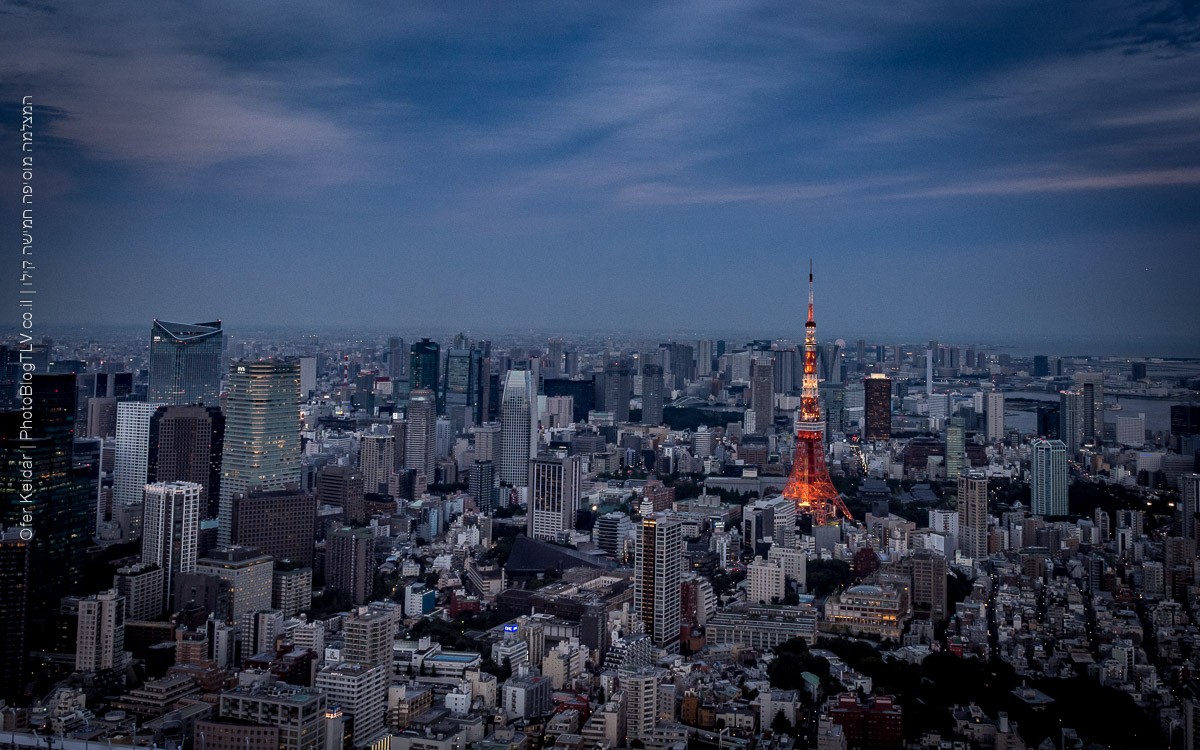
x=658 y=570
x=186 y=445
x=1189 y=505
x=376 y=460
x=1049 y=478
x=877 y=403
x=185 y=363
x=955 y=448
x=420 y=439
x=554 y=494
x=171 y=529
x=762 y=394
x=262 y=432
x=100 y=638
x=131 y=469
x=652 y=395
x=368 y=634
x=995 y=415
x=361 y=692
x=142 y=586
x=973 y=514
x=518 y=428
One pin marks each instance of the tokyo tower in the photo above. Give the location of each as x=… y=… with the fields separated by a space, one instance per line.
x=809 y=485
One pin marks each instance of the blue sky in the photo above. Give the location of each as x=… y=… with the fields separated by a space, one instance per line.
x=970 y=170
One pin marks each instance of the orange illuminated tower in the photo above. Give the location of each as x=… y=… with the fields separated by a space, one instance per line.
x=809 y=485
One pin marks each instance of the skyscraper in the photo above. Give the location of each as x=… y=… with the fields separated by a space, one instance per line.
x=518 y=428
x=1071 y=413
x=554 y=493
x=171 y=529
x=40 y=492
x=955 y=448
x=617 y=389
x=185 y=363
x=658 y=571
x=397 y=358
x=14 y=610
x=1091 y=384
x=973 y=513
x=877 y=396
x=1049 y=478
x=762 y=394
x=420 y=440
x=995 y=415
x=423 y=366
x=652 y=395
x=131 y=468
x=463 y=391
x=186 y=445
x=262 y=431
x=1189 y=506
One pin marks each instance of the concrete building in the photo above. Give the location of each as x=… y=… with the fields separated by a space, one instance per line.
x=350 y=562
x=100 y=638
x=361 y=692
x=554 y=496
x=247 y=576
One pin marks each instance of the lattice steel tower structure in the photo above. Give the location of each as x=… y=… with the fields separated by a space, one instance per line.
x=809 y=485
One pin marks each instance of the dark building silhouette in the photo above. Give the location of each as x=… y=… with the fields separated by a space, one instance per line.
x=582 y=392
x=652 y=395
x=14 y=602
x=342 y=487
x=279 y=523
x=423 y=366
x=877 y=397
x=40 y=489
x=350 y=562
x=186 y=444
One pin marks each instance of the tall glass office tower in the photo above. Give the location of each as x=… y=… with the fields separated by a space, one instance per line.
x=262 y=432
x=518 y=428
x=185 y=363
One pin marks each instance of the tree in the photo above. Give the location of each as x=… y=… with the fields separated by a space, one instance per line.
x=780 y=724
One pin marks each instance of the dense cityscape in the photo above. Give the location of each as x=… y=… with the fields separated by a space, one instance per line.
x=542 y=375
x=290 y=541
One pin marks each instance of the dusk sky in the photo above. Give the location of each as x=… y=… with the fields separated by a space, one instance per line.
x=970 y=170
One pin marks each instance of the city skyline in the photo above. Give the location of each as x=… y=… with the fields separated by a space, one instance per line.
x=659 y=164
